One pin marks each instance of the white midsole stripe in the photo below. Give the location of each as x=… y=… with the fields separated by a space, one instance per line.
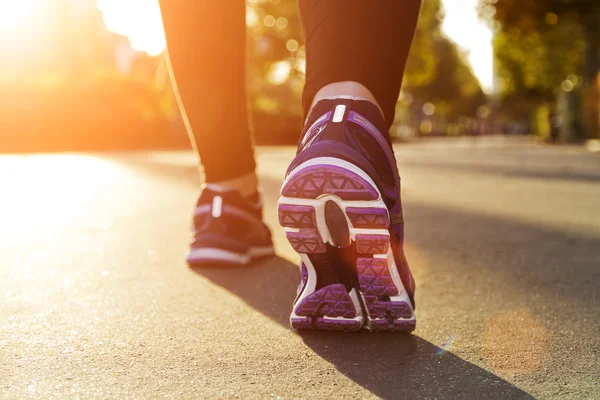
x=335 y=162
x=319 y=204
x=311 y=282
x=215 y=254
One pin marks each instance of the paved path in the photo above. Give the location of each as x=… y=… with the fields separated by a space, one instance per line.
x=97 y=302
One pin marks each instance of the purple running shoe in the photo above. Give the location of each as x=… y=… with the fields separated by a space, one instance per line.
x=228 y=230
x=342 y=213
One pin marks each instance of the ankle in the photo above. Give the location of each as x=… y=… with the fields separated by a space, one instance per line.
x=345 y=90
x=342 y=109
x=246 y=185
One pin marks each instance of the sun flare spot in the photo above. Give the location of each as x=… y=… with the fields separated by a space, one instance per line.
x=139 y=20
x=15 y=13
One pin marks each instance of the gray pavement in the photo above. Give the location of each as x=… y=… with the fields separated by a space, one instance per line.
x=97 y=301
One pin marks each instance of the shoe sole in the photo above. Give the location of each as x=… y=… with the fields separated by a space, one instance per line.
x=212 y=256
x=328 y=202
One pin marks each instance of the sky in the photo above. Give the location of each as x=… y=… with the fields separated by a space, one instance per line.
x=139 y=20
x=464 y=27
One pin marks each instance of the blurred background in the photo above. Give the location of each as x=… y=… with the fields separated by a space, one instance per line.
x=79 y=75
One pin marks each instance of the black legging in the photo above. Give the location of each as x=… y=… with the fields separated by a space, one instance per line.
x=364 y=41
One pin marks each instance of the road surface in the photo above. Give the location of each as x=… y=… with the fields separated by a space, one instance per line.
x=97 y=301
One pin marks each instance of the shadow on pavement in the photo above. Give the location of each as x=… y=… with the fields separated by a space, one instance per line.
x=560 y=266
x=390 y=365
x=500 y=257
x=393 y=365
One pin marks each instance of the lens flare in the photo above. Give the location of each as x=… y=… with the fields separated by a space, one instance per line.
x=445 y=347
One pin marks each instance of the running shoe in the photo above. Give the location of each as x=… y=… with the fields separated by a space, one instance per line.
x=228 y=230
x=342 y=213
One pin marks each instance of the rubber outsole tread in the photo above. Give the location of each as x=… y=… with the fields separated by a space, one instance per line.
x=379 y=303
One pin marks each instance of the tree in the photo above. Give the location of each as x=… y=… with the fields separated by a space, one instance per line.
x=421 y=64
x=455 y=87
x=544 y=47
x=276 y=55
x=544 y=15
x=437 y=71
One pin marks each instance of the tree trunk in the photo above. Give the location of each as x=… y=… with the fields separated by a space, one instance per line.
x=591 y=77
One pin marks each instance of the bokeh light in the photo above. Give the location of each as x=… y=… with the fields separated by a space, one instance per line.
x=279 y=72
x=515 y=343
x=463 y=25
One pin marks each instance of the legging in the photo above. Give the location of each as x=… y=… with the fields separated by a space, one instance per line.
x=366 y=41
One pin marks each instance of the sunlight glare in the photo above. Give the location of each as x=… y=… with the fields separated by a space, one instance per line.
x=15 y=13
x=139 y=20
x=463 y=25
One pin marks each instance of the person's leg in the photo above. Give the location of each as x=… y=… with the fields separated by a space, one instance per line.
x=357 y=48
x=340 y=201
x=206 y=43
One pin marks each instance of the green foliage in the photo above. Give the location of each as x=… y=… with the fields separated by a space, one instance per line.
x=542 y=121
x=454 y=87
x=536 y=63
x=275 y=39
x=541 y=15
x=422 y=62
x=538 y=44
x=437 y=71
x=546 y=48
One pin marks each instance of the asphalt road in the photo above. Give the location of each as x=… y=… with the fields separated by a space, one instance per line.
x=97 y=302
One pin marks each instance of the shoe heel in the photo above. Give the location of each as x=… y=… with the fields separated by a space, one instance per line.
x=335 y=204
x=387 y=307
x=302 y=233
x=331 y=307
